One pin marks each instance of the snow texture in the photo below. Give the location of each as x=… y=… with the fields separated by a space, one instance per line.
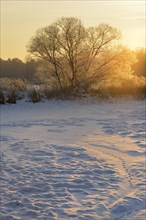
x=73 y=160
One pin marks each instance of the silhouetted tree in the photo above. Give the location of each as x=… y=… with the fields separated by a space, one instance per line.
x=80 y=57
x=71 y=49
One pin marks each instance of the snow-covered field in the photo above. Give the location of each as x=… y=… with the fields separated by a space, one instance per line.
x=73 y=160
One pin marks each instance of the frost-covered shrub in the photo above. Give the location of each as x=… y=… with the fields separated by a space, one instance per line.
x=136 y=91
x=51 y=93
x=57 y=93
x=34 y=95
x=12 y=89
x=126 y=88
x=12 y=84
x=12 y=97
x=2 y=97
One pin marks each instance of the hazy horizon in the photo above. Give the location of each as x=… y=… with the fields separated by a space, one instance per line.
x=20 y=20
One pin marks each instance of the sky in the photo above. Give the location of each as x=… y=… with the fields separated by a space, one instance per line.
x=21 y=18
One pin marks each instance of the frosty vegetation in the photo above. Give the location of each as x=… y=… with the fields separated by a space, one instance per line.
x=66 y=60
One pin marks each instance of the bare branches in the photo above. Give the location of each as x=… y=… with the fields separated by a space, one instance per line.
x=76 y=53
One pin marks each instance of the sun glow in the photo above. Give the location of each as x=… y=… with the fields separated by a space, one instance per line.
x=20 y=19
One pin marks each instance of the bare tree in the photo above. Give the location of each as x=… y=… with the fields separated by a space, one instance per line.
x=75 y=53
x=59 y=44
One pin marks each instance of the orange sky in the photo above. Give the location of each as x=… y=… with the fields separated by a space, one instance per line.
x=20 y=20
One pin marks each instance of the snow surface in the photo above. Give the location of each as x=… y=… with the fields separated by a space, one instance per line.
x=73 y=160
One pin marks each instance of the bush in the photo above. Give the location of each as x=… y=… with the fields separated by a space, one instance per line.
x=12 y=97
x=2 y=97
x=136 y=91
x=126 y=89
x=57 y=93
x=12 y=84
x=34 y=95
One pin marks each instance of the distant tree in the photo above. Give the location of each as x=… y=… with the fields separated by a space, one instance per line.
x=16 y=68
x=12 y=68
x=139 y=67
x=31 y=68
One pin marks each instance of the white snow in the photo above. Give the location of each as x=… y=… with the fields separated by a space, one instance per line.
x=73 y=160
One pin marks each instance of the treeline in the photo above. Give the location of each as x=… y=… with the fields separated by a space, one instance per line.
x=70 y=59
x=17 y=69
x=35 y=70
